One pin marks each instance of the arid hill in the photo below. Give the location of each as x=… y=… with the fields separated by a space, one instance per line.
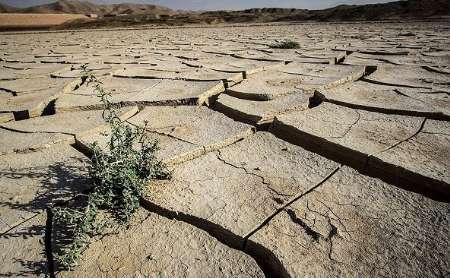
x=85 y=7
x=400 y=10
x=64 y=6
x=411 y=9
x=7 y=9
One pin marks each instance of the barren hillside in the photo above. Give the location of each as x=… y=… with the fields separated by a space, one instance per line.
x=400 y=10
x=6 y=9
x=85 y=7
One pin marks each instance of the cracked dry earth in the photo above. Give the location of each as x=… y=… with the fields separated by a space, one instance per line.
x=331 y=160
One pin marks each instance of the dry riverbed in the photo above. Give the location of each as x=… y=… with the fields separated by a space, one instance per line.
x=330 y=160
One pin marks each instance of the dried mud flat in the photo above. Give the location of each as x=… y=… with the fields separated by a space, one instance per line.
x=331 y=160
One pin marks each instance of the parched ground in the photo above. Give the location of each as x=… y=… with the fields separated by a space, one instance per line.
x=331 y=160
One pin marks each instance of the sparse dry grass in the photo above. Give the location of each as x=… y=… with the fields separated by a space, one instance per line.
x=287 y=44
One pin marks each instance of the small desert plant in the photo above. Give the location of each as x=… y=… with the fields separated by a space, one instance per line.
x=119 y=176
x=287 y=44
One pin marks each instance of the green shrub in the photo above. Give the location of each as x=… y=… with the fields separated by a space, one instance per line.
x=287 y=44
x=119 y=176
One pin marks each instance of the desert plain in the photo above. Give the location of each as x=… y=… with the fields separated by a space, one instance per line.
x=329 y=160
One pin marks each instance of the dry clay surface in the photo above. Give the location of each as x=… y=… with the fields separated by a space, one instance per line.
x=330 y=160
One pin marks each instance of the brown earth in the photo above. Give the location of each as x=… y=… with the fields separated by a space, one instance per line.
x=19 y=20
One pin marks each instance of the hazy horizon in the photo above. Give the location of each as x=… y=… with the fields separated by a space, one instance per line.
x=213 y=4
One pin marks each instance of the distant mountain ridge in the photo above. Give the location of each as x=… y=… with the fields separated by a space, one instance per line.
x=410 y=9
x=85 y=7
x=7 y=9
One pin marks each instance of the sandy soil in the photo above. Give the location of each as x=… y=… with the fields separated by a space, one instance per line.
x=35 y=20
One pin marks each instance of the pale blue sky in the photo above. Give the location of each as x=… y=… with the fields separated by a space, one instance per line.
x=217 y=4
